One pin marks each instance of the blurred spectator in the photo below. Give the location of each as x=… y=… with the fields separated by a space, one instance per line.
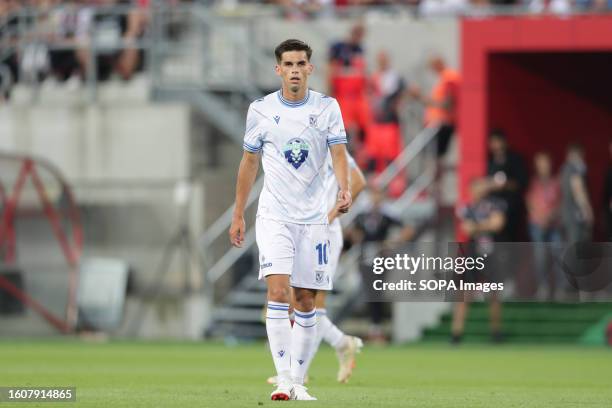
x=348 y=84
x=34 y=54
x=430 y=8
x=543 y=205
x=576 y=209
x=441 y=105
x=109 y=31
x=550 y=6
x=64 y=62
x=608 y=196
x=508 y=180
x=597 y=6
x=9 y=67
x=372 y=229
x=302 y=9
x=482 y=221
x=383 y=139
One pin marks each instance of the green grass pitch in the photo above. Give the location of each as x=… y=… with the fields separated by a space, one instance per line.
x=141 y=374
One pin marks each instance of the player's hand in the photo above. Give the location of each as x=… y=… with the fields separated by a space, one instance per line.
x=236 y=231
x=344 y=201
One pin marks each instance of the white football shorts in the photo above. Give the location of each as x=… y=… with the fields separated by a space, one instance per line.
x=299 y=250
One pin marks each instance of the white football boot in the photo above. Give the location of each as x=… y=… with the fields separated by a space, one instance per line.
x=283 y=391
x=299 y=393
x=346 y=357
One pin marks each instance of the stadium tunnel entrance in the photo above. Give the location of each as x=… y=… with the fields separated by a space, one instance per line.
x=546 y=82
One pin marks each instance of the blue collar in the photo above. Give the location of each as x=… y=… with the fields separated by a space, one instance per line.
x=292 y=104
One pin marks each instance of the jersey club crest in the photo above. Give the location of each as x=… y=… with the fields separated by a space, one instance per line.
x=296 y=152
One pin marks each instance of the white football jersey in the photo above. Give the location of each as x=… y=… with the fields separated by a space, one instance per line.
x=294 y=138
x=331 y=185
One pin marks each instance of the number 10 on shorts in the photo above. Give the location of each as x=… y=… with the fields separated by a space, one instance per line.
x=322 y=250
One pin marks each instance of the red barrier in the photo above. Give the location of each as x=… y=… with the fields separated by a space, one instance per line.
x=70 y=244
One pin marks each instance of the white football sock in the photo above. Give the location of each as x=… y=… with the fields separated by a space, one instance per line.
x=329 y=331
x=302 y=343
x=278 y=328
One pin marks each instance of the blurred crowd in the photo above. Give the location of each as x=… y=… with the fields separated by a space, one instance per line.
x=512 y=202
x=373 y=100
x=59 y=35
x=300 y=9
x=63 y=25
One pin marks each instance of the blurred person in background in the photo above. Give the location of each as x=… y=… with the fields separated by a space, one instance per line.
x=384 y=139
x=608 y=196
x=549 y=6
x=508 y=178
x=543 y=209
x=34 y=61
x=596 y=6
x=372 y=230
x=9 y=65
x=347 y=80
x=384 y=135
x=64 y=62
x=482 y=220
x=109 y=31
x=576 y=209
x=442 y=103
x=304 y=9
x=430 y=8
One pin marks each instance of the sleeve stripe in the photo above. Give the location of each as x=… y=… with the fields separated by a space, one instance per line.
x=251 y=148
x=337 y=141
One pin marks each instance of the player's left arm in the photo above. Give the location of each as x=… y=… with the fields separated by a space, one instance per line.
x=341 y=170
x=336 y=140
x=357 y=184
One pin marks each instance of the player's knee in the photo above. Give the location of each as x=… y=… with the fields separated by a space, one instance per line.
x=278 y=294
x=304 y=300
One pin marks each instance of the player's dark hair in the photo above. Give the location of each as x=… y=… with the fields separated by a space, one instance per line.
x=292 y=45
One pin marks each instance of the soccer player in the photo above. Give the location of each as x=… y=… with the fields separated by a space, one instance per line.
x=346 y=346
x=294 y=128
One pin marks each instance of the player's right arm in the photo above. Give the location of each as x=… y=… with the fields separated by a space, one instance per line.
x=249 y=165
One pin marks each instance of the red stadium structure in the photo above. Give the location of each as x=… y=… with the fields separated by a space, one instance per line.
x=546 y=81
x=66 y=227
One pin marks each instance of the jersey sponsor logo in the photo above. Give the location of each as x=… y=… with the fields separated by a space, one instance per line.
x=313 y=120
x=296 y=152
x=276 y=119
x=321 y=278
